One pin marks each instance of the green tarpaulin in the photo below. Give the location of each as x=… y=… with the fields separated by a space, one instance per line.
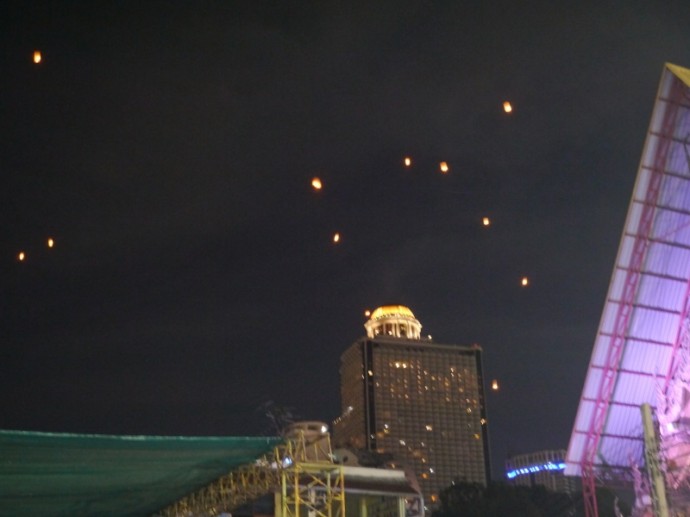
x=71 y=474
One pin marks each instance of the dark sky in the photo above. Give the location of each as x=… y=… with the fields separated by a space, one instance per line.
x=168 y=148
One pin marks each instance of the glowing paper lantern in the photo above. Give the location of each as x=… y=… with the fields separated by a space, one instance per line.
x=494 y=385
x=316 y=183
x=507 y=107
x=336 y=237
x=37 y=56
x=50 y=242
x=407 y=161
x=486 y=221
x=444 y=167
x=21 y=256
x=525 y=281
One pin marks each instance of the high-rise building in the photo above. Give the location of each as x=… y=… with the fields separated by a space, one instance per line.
x=418 y=401
x=541 y=468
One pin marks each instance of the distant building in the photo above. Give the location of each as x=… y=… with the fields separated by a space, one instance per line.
x=419 y=401
x=541 y=468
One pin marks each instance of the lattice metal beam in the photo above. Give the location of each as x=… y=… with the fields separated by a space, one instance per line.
x=296 y=459
x=625 y=308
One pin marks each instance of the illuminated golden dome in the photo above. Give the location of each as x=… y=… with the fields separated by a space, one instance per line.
x=391 y=310
x=393 y=321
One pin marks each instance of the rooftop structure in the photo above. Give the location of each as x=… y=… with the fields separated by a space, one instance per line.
x=78 y=474
x=75 y=474
x=393 y=320
x=641 y=349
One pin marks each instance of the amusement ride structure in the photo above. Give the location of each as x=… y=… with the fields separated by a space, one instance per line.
x=633 y=419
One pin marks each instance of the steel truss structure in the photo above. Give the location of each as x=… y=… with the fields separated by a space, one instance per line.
x=313 y=488
x=641 y=329
x=303 y=473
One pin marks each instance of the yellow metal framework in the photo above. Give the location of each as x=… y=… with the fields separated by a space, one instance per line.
x=309 y=482
x=313 y=489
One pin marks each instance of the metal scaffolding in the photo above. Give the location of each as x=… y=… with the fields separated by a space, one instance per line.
x=309 y=481
x=313 y=489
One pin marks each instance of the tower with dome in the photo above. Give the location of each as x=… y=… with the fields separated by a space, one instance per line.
x=417 y=402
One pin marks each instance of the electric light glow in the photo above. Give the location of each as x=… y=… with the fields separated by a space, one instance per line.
x=535 y=468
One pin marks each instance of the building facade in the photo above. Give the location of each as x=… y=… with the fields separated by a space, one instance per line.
x=420 y=403
x=541 y=468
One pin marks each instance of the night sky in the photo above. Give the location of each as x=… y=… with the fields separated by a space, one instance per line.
x=169 y=149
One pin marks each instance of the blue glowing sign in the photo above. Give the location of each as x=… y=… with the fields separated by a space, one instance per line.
x=535 y=468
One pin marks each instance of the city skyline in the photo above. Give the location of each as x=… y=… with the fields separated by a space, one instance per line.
x=170 y=150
